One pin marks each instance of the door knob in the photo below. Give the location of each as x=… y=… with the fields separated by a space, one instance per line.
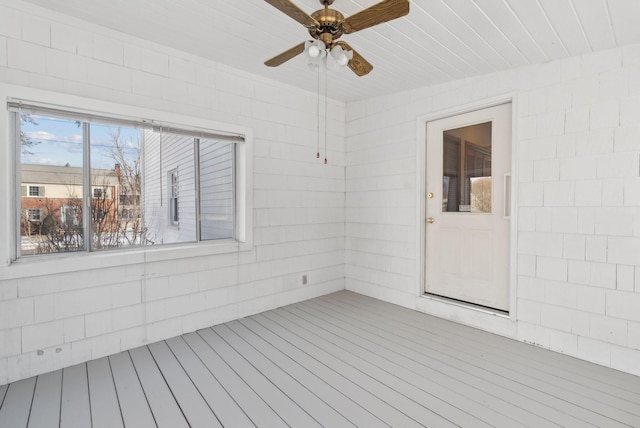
x=430 y=195
x=430 y=220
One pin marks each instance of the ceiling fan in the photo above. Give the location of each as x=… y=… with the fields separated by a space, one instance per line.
x=327 y=25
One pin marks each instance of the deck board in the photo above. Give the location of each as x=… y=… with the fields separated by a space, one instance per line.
x=473 y=369
x=563 y=391
x=294 y=389
x=16 y=404
x=288 y=410
x=340 y=360
x=105 y=410
x=342 y=403
x=133 y=401
x=252 y=404
x=407 y=412
x=446 y=384
x=75 y=410
x=47 y=397
x=425 y=405
x=161 y=401
x=195 y=408
x=227 y=410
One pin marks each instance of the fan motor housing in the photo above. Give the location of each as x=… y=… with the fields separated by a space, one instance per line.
x=330 y=22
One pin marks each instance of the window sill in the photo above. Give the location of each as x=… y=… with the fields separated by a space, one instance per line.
x=50 y=264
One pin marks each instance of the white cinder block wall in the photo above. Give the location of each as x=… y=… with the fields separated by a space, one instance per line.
x=577 y=140
x=56 y=320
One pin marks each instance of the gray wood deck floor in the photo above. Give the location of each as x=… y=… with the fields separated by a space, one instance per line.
x=334 y=361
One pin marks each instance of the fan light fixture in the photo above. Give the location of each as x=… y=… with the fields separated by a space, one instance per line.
x=321 y=57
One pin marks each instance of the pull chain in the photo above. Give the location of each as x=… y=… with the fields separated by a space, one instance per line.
x=318 y=116
x=325 y=116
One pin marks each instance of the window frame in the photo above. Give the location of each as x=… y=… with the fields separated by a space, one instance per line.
x=68 y=262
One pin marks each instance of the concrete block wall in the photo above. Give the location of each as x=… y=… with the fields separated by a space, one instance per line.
x=577 y=183
x=51 y=318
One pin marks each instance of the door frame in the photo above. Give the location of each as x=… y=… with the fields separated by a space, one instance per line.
x=482 y=318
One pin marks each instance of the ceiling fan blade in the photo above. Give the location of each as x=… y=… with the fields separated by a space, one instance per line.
x=285 y=56
x=381 y=12
x=290 y=9
x=357 y=64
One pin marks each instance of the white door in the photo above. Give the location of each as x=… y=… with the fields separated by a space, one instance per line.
x=468 y=164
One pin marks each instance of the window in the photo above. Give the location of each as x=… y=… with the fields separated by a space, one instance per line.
x=98 y=193
x=36 y=191
x=34 y=214
x=104 y=185
x=173 y=197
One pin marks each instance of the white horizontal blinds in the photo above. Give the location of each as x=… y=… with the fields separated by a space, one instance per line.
x=216 y=189
x=77 y=115
x=205 y=134
x=88 y=116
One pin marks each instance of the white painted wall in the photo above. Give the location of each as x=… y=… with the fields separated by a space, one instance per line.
x=577 y=180
x=50 y=316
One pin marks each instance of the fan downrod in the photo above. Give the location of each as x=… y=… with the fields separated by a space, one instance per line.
x=326 y=2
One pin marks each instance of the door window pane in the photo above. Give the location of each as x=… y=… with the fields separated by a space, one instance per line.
x=466 y=169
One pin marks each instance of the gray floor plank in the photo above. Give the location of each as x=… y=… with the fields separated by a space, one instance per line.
x=75 y=409
x=382 y=399
x=561 y=366
x=495 y=370
x=17 y=404
x=251 y=403
x=509 y=396
x=194 y=407
x=319 y=410
x=133 y=402
x=105 y=409
x=288 y=343
x=451 y=393
x=224 y=407
x=163 y=404
x=394 y=377
x=289 y=411
x=258 y=338
x=584 y=398
x=45 y=409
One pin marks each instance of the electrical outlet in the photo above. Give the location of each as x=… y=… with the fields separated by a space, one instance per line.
x=304 y=279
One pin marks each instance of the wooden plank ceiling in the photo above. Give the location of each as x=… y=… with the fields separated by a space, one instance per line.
x=439 y=41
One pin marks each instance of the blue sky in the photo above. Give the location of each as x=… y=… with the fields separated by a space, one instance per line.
x=59 y=142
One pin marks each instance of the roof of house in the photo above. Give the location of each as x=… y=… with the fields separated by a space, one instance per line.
x=69 y=175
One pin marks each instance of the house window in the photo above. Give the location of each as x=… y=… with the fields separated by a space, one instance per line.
x=36 y=191
x=34 y=214
x=98 y=193
x=107 y=190
x=173 y=197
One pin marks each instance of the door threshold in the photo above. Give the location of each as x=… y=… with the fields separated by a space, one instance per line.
x=468 y=305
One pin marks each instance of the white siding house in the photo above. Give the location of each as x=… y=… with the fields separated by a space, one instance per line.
x=356 y=223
